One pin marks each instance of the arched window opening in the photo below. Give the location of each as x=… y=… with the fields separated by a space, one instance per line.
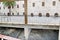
x=33 y=4
x=32 y=14
x=56 y=14
x=23 y=13
x=8 y=14
x=23 y=5
x=54 y=3
x=43 y=3
x=13 y=14
x=0 y=7
x=18 y=14
x=4 y=14
x=4 y=7
x=9 y=7
x=12 y=6
x=47 y=14
x=17 y=6
x=40 y=14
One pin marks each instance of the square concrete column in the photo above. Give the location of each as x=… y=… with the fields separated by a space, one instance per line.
x=27 y=32
x=59 y=34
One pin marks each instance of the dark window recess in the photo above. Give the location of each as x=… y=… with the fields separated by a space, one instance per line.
x=9 y=7
x=54 y=3
x=56 y=14
x=17 y=13
x=17 y=6
x=0 y=39
x=4 y=13
x=23 y=5
x=32 y=14
x=9 y=14
x=12 y=13
x=4 y=39
x=40 y=14
x=33 y=4
x=23 y=13
x=4 y=7
x=47 y=14
x=0 y=7
x=43 y=4
x=12 y=6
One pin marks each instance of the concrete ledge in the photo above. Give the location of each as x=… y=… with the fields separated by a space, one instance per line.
x=53 y=27
x=17 y=23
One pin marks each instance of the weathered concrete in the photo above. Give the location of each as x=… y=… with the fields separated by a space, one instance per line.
x=53 y=27
x=35 y=34
x=59 y=34
x=27 y=32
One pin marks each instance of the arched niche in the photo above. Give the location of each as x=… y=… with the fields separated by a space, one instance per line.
x=56 y=15
x=47 y=15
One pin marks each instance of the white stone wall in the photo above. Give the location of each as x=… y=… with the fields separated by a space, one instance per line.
x=15 y=10
x=2 y=10
x=48 y=8
x=12 y=19
x=20 y=9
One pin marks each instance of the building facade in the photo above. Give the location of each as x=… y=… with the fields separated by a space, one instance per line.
x=41 y=14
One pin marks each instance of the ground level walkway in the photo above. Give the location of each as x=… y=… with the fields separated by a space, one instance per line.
x=35 y=34
x=30 y=32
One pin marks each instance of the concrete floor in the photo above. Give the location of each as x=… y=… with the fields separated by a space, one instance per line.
x=34 y=35
x=43 y=35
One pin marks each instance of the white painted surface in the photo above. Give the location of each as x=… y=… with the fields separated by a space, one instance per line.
x=15 y=10
x=31 y=20
x=12 y=19
x=43 y=20
x=59 y=34
x=48 y=8
x=27 y=33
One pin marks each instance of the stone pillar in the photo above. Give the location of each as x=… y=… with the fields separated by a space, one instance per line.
x=27 y=32
x=59 y=34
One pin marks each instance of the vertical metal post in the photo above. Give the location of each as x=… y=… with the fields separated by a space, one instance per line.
x=25 y=8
